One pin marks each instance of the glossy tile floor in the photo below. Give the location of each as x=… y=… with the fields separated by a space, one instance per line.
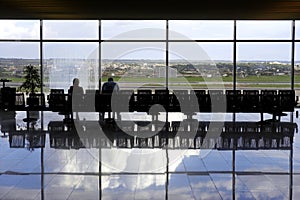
x=37 y=165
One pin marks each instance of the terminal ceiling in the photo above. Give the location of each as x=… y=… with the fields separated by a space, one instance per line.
x=149 y=9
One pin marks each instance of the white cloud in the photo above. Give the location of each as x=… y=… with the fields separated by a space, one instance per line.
x=19 y=29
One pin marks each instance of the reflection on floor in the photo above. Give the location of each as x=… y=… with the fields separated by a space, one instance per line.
x=212 y=156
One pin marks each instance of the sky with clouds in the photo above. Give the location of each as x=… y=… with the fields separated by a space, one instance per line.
x=147 y=30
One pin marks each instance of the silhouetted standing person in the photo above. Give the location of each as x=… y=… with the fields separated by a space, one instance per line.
x=108 y=88
x=75 y=96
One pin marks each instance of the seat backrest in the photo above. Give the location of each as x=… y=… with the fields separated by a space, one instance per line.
x=40 y=102
x=144 y=92
x=250 y=100
x=161 y=92
x=57 y=100
x=90 y=92
x=215 y=92
x=269 y=97
x=233 y=92
x=287 y=100
x=161 y=97
x=268 y=92
x=20 y=101
x=56 y=91
x=250 y=92
x=126 y=92
x=180 y=92
x=250 y=96
x=144 y=95
x=198 y=92
x=8 y=98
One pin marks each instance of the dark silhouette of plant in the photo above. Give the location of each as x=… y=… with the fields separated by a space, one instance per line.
x=32 y=79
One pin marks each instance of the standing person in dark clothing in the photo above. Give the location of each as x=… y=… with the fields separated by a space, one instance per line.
x=75 y=95
x=110 y=86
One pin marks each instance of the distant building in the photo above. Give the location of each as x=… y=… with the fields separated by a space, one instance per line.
x=160 y=72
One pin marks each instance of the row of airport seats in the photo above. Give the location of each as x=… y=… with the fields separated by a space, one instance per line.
x=264 y=101
x=215 y=135
x=13 y=101
x=188 y=102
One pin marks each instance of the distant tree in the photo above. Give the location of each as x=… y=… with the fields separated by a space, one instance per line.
x=32 y=79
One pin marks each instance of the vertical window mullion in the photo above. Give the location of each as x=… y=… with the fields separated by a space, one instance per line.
x=42 y=80
x=167 y=54
x=293 y=56
x=41 y=55
x=100 y=58
x=234 y=55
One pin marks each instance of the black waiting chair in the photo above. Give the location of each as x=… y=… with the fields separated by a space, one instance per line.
x=217 y=100
x=250 y=101
x=203 y=100
x=124 y=101
x=287 y=100
x=8 y=98
x=57 y=101
x=89 y=100
x=233 y=100
x=162 y=97
x=105 y=103
x=269 y=101
x=75 y=101
x=179 y=101
x=20 y=101
x=144 y=100
x=36 y=101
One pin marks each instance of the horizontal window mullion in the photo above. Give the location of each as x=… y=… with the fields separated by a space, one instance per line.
x=38 y=40
x=52 y=40
x=19 y=40
x=273 y=40
x=35 y=40
x=133 y=40
x=212 y=41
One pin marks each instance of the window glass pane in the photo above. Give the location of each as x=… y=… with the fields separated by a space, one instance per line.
x=14 y=58
x=19 y=29
x=264 y=29
x=201 y=65
x=65 y=61
x=70 y=29
x=133 y=29
x=263 y=65
x=200 y=29
x=297 y=29
x=134 y=65
x=297 y=68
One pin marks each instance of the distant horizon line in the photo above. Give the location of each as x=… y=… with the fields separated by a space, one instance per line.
x=161 y=60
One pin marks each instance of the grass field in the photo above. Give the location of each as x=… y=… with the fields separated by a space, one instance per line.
x=199 y=82
x=248 y=79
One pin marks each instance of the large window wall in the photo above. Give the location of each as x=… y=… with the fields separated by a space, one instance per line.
x=151 y=54
x=70 y=49
x=264 y=54
x=134 y=53
x=19 y=46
